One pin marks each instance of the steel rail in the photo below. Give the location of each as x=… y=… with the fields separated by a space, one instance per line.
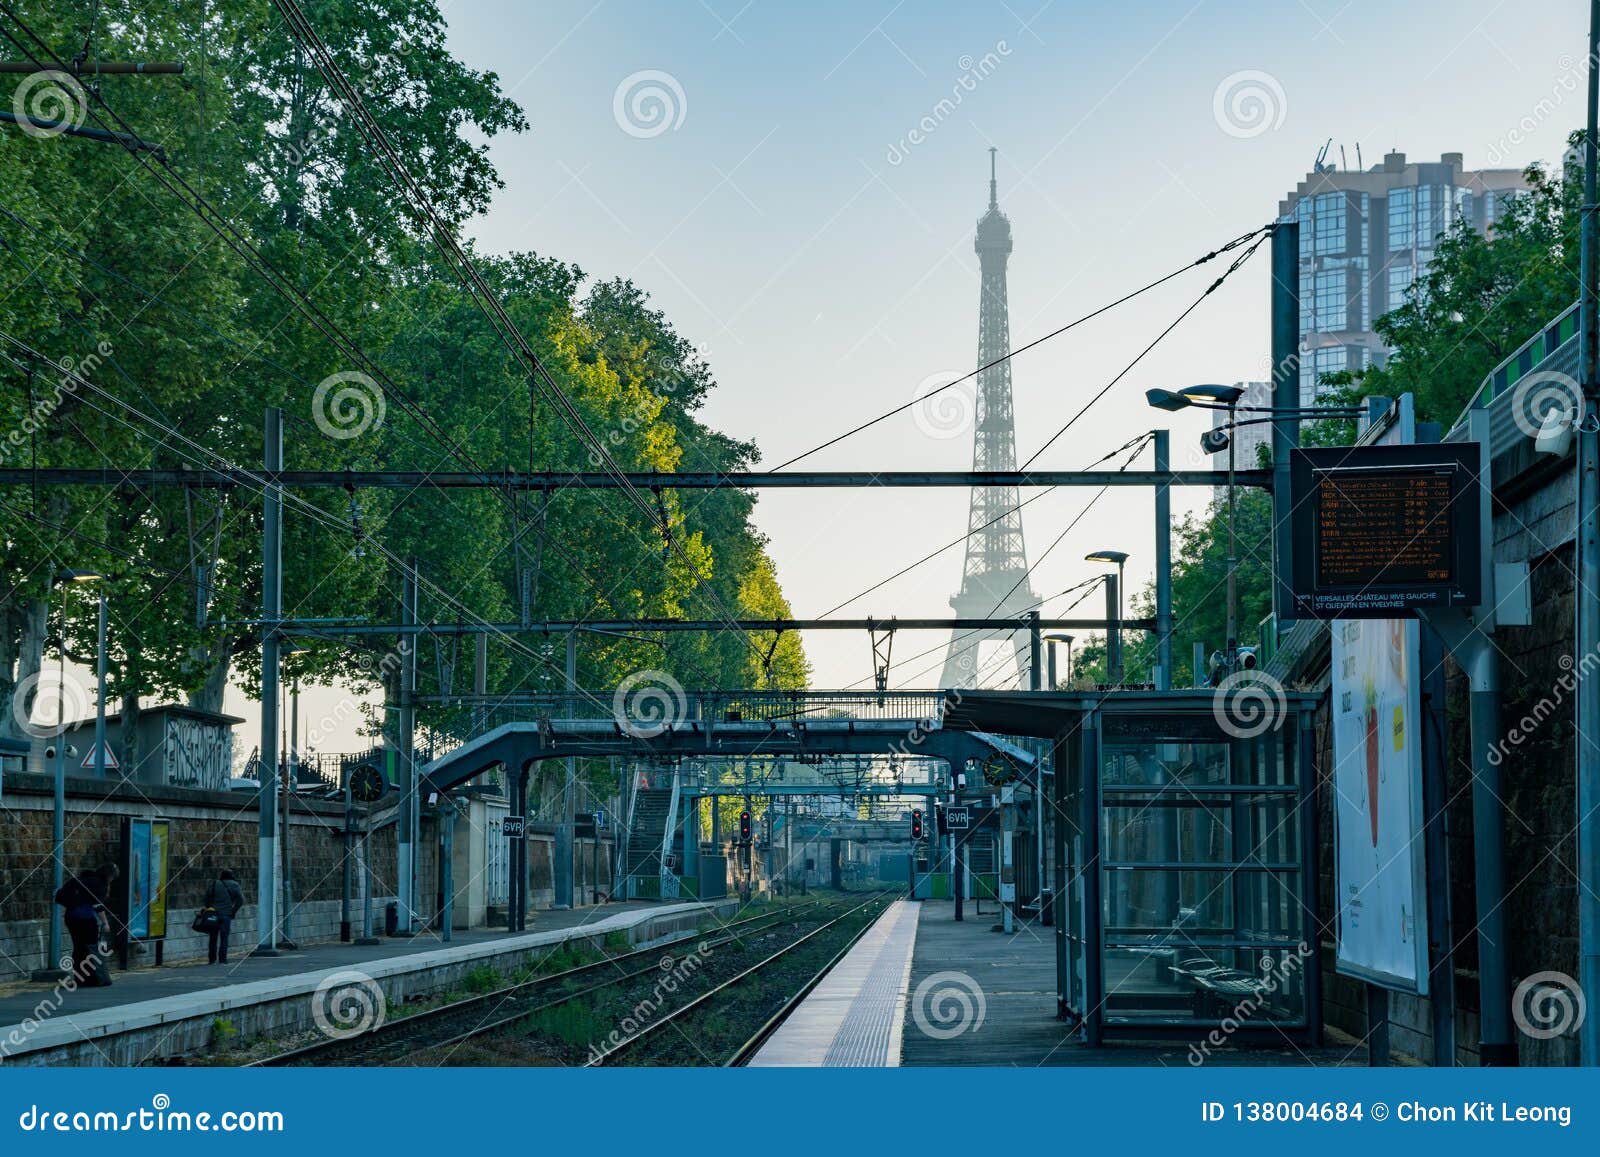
x=712 y=993
x=744 y=1052
x=395 y=1033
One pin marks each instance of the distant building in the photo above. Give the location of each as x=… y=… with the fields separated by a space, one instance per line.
x=1365 y=237
x=178 y=746
x=1247 y=440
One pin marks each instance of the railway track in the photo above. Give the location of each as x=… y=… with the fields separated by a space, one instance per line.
x=708 y=1000
x=493 y=1012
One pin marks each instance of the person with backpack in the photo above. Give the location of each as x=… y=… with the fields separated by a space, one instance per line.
x=84 y=900
x=224 y=898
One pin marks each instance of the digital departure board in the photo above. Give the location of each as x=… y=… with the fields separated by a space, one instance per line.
x=1383 y=531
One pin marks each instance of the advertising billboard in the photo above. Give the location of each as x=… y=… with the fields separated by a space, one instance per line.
x=147 y=846
x=1377 y=804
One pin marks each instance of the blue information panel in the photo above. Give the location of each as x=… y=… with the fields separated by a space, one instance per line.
x=1109 y=1110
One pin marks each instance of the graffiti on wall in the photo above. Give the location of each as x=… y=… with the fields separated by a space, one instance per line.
x=197 y=753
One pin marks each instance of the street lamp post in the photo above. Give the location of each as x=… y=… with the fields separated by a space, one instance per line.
x=1052 y=640
x=1211 y=396
x=1118 y=559
x=292 y=777
x=52 y=969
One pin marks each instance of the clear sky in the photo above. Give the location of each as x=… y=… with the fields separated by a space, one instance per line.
x=782 y=216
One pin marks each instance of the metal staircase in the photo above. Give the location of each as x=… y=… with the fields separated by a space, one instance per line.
x=644 y=865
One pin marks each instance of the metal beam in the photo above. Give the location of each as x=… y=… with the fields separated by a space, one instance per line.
x=616 y=626
x=96 y=68
x=642 y=480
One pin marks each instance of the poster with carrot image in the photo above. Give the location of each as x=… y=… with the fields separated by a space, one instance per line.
x=1377 y=780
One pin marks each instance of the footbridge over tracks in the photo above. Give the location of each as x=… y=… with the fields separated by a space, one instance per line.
x=691 y=734
x=518 y=733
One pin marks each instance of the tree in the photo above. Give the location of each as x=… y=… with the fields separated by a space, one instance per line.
x=185 y=340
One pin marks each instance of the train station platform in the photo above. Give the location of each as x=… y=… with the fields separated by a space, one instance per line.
x=856 y=1015
x=922 y=989
x=150 y=1015
x=980 y=997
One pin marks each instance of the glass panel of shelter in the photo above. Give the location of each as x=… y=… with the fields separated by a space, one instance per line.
x=1200 y=860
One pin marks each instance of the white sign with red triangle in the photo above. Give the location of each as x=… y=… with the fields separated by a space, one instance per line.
x=111 y=759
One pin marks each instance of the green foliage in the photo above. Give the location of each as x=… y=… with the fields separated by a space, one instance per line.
x=1480 y=299
x=1199 y=592
x=480 y=980
x=105 y=266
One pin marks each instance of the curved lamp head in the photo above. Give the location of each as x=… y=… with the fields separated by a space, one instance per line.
x=1113 y=557
x=1209 y=392
x=79 y=576
x=1057 y=638
x=1166 y=400
x=1214 y=441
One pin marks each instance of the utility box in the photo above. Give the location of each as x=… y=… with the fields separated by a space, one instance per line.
x=713 y=876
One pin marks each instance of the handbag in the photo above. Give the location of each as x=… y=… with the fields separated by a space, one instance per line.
x=207 y=919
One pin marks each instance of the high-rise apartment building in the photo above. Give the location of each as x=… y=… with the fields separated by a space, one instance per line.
x=1365 y=237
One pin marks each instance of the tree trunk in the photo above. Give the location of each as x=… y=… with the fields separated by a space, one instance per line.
x=29 y=658
x=217 y=665
x=129 y=755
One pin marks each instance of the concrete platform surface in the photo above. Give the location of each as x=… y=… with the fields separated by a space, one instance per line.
x=42 y=1023
x=981 y=997
x=855 y=1016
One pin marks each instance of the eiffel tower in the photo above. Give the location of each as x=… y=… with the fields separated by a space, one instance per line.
x=994 y=581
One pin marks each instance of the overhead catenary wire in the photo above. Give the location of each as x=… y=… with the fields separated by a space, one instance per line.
x=246 y=250
x=1264 y=233
x=951 y=545
x=484 y=295
x=1026 y=346
x=261 y=483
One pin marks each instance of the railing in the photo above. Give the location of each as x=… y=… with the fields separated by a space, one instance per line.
x=675 y=705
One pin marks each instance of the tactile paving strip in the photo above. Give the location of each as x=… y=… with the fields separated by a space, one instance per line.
x=854 y=1018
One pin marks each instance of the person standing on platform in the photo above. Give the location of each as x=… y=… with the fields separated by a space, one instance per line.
x=225 y=898
x=84 y=899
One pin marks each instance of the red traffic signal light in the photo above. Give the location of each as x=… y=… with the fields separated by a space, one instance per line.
x=744 y=826
x=916 y=824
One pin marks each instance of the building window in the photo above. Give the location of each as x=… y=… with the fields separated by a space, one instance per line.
x=1402 y=218
x=1432 y=218
x=1330 y=223
x=1332 y=300
x=1497 y=204
x=1328 y=360
x=1400 y=279
x=1307 y=304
